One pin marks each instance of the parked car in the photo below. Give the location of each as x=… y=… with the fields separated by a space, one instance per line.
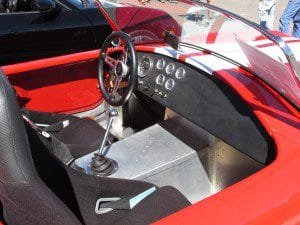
x=188 y=114
x=49 y=28
x=46 y=28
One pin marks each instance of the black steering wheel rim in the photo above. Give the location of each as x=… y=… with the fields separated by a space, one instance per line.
x=131 y=73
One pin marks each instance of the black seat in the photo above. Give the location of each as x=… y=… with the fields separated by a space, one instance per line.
x=37 y=189
x=82 y=135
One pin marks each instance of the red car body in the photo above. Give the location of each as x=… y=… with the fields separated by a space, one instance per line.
x=270 y=196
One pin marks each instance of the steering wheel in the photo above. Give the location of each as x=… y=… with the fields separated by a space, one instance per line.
x=117 y=68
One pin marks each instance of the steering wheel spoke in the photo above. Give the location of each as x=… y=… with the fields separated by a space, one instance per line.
x=110 y=61
x=125 y=55
x=115 y=87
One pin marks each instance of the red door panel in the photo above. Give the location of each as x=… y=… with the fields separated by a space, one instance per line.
x=65 y=88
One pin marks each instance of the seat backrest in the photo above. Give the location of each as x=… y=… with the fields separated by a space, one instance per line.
x=15 y=159
x=25 y=198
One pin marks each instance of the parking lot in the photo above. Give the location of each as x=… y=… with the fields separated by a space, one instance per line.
x=248 y=8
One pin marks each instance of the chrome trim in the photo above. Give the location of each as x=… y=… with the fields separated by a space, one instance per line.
x=289 y=55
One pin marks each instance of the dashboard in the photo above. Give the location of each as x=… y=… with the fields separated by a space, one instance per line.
x=204 y=100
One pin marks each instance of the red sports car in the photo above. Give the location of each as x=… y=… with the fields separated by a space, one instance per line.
x=188 y=114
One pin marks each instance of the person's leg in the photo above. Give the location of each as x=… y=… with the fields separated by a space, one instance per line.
x=271 y=17
x=287 y=15
x=266 y=13
x=296 y=28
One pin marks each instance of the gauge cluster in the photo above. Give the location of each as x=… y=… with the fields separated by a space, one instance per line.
x=159 y=75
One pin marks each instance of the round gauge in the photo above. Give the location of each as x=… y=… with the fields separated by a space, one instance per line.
x=144 y=66
x=160 y=64
x=160 y=79
x=180 y=73
x=170 y=68
x=170 y=83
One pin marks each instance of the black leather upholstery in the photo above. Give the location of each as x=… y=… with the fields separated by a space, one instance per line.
x=16 y=163
x=37 y=189
x=82 y=135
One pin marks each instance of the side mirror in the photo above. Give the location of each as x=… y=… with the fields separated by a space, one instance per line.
x=43 y=6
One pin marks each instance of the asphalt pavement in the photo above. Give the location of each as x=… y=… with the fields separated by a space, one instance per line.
x=248 y=8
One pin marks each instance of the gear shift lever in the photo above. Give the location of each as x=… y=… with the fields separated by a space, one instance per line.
x=101 y=165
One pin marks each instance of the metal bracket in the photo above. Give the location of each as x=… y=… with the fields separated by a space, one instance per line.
x=99 y=210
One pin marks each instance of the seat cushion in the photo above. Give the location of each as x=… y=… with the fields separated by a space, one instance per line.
x=82 y=135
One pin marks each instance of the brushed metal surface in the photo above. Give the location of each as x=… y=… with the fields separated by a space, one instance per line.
x=156 y=156
x=226 y=166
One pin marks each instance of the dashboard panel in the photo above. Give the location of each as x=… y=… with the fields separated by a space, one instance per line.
x=204 y=100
